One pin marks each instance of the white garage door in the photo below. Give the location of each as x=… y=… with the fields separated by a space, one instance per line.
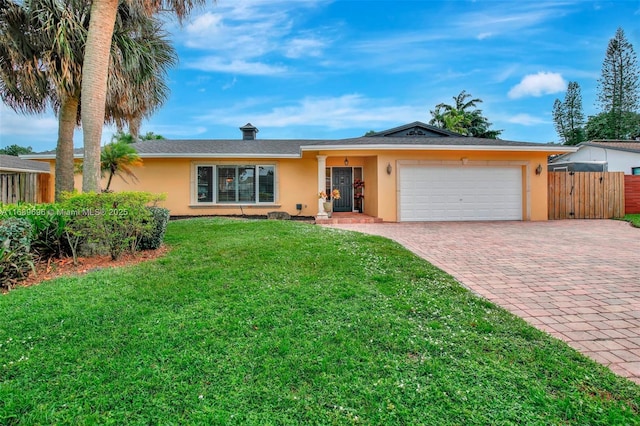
x=430 y=193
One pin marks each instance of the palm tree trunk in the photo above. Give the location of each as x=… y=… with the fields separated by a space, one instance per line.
x=94 y=87
x=67 y=120
x=134 y=128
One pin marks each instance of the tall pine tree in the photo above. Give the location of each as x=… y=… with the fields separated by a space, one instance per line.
x=568 y=116
x=619 y=86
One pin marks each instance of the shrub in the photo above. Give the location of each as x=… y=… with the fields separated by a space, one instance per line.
x=15 y=250
x=112 y=222
x=159 y=220
x=47 y=221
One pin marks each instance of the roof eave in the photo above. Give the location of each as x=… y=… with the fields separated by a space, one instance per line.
x=542 y=148
x=15 y=170
x=215 y=155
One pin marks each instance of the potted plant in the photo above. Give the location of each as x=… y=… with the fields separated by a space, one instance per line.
x=327 y=201
x=358 y=194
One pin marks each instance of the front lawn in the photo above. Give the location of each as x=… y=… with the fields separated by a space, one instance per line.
x=269 y=322
x=634 y=219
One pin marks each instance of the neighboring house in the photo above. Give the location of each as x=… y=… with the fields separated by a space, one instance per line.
x=23 y=180
x=601 y=155
x=414 y=172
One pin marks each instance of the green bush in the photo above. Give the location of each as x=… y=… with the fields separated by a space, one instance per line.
x=16 y=259
x=47 y=221
x=111 y=222
x=153 y=239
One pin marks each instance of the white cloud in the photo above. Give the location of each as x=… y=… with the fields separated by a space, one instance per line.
x=542 y=83
x=245 y=30
x=22 y=125
x=38 y=131
x=236 y=66
x=301 y=47
x=526 y=120
x=342 y=112
x=484 y=35
x=230 y=84
x=173 y=131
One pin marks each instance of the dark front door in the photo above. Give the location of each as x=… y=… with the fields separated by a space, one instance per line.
x=342 y=182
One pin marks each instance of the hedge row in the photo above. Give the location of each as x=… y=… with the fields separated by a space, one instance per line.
x=106 y=223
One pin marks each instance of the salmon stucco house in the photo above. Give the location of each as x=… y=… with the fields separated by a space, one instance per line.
x=414 y=172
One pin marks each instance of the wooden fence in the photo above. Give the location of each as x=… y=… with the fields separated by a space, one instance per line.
x=24 y=187
x=586 y=195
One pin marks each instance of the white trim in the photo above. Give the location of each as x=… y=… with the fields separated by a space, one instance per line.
x=193 y=202
x=506 y=148
x=346 y=147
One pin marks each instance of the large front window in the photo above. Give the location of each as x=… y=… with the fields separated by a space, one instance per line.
x=246 y=184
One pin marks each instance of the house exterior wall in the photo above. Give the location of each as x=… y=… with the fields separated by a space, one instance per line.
x=296 y=180
x=381 y=193
x=534 y=186
x=618 y=161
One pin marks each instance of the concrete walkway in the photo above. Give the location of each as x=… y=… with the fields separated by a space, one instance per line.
x=579 y=280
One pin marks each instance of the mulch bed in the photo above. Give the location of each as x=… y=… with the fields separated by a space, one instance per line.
x=54 y=268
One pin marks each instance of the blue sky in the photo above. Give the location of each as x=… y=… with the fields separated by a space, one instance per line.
x=336 y=69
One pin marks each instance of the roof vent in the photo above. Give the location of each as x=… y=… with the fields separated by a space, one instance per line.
x=249 y=132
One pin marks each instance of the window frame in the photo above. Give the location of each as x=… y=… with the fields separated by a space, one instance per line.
x=214 y=168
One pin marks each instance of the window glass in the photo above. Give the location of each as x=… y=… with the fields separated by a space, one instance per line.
x=235 y=184
x=266 y=190
x=205 y=184
x=227 y=181
x=246 y=183
x=635 y=171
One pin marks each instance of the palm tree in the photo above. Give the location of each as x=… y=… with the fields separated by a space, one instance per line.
x=37 y=65
x=117 y=158
x=96 y=73
x=41 y=53
x=138 y=86
x=461 y=119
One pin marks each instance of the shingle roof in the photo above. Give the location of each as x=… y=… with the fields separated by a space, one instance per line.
x=10 y=163
x=396 y=138
x=628 y=146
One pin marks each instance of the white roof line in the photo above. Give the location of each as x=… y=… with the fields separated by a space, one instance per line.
x=386 y=147
x=544 y=148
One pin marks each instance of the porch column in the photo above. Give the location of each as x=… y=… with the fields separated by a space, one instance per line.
x=322 y=165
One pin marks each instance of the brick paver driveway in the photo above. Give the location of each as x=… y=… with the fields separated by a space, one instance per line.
x=578 y=280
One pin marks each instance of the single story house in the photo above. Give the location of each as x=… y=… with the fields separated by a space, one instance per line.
x=414 y=172
x=23 y=180
x=601 y=156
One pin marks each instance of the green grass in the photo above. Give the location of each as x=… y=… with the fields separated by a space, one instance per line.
x=634 y=219
x=269 y=322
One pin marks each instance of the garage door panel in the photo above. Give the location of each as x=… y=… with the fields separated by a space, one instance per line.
x=430 y=193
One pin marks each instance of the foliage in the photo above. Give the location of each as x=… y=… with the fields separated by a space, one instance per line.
x=42 y=46
x=15 y=250
x=114 y=222
x=568 y=116
x=47 y=224
x=460 y=118
x=149 y=136
x=16 y=150
x=619 y=86
x=358 y=186
x=634 y=219
x=98 y=56
x=283 y=323
x=153 y=239
x=122 y=137
x=601 y=126
x=117 y=159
